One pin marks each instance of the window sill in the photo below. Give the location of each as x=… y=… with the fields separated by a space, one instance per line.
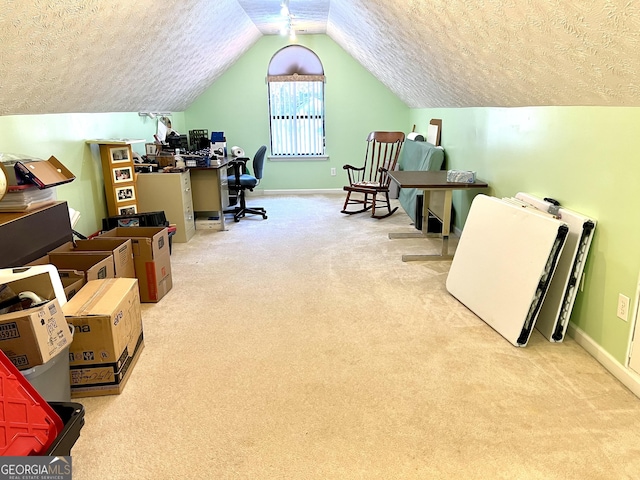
x=298 y=158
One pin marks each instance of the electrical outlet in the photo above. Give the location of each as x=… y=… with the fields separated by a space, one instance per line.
x=333 y=172
x=623 y=307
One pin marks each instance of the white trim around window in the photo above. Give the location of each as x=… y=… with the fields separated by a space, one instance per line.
x=298 y=158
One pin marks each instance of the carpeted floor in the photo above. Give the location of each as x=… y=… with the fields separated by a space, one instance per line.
x=302 y=347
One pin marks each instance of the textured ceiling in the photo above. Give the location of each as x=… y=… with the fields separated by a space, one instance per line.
x=122 y=55
x=116 y=55
x=459 y=53
x=309 y=16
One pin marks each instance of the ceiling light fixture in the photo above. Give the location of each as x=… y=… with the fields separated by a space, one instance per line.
x=287 y=25
x=284 y=8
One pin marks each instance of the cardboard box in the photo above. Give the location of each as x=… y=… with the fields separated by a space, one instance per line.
x=44 y=174
x=119 y=248
x=151 y=258
x=72 y=281
x=94 y=265
x=166 y=161
x=33 y=336
x=113 y=382
x=46 y=171
x=108 y=338
x=107 y=318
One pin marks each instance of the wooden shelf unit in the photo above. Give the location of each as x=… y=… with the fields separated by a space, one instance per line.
x=119 y=175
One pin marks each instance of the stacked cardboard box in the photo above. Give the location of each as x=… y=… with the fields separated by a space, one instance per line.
x=93 y=266
x=108 y=336
x=151 y=259
x=120 y=250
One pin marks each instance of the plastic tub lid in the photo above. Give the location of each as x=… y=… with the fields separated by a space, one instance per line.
x=28 y=424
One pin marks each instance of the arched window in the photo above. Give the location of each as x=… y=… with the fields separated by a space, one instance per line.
x=296 y=103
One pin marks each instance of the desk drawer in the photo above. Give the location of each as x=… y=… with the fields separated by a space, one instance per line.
x=210 y=191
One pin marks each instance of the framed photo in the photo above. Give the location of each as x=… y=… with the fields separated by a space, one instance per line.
x=125 y=194
x=127 y=210
x=119 y=155
x=121 y=175
x=151 y=148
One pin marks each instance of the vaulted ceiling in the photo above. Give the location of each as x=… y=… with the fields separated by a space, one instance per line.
x=121 y=55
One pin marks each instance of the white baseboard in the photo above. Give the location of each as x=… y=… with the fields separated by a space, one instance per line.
x=629 y=378
x=301 y=191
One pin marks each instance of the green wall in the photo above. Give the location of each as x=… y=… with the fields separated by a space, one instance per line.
x=584 y=157
x=355 y=104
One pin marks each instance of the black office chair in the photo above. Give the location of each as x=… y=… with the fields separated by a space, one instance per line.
x=241 y=180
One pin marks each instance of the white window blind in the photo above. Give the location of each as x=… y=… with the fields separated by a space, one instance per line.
x=296 y=111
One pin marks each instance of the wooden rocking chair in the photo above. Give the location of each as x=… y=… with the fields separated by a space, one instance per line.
x=372 y=180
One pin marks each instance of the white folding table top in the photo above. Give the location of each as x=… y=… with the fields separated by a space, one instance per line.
x=503 y=265
x=556 y=309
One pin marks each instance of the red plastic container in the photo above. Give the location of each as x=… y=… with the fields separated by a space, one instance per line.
x=28 y=424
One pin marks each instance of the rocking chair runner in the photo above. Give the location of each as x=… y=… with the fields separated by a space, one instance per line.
x=372 y=179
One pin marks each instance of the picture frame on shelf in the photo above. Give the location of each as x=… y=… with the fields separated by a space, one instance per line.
x=125 y=194
x=151 y=148
x=127 y=210
x=119 y=155
x=122 y=174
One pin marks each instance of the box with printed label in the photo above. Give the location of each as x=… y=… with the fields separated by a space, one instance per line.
x=151 y=259
x=119 y=248
x=33 y=328
x=93 y=381
x=108 y=333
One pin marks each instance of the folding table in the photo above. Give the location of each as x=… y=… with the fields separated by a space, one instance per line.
x=431 y=181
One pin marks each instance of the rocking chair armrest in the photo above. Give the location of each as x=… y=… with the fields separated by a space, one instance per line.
x=351 y=167
x=385 y=171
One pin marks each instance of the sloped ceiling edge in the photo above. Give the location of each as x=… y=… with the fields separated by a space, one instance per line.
x=119 y=56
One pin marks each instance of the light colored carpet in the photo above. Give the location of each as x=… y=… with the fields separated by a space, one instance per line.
x=302 y=347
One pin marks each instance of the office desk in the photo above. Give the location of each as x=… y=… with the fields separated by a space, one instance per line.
x=210 y=189
x=429 y=181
